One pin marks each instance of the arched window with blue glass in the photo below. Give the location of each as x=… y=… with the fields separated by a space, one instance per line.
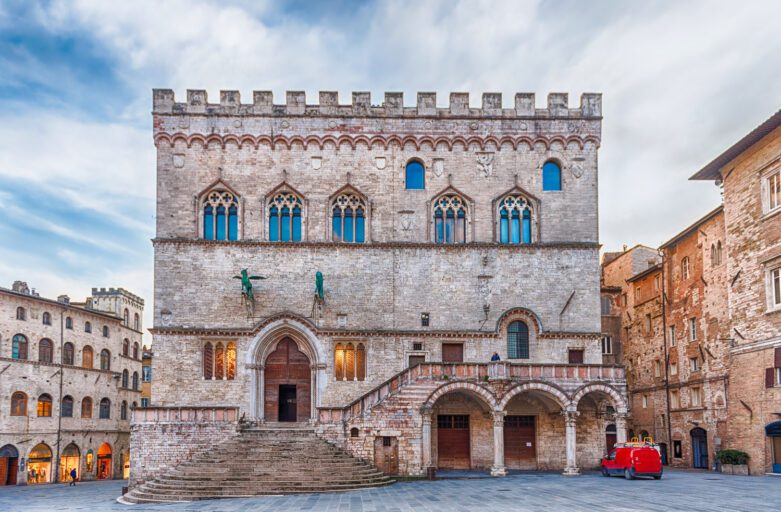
x=516 y=218
x=450 y=213
x=518 y=340
x=415 y=175
x=551 y=176
x=221 y=216
x=284 y=218
x=348 y=218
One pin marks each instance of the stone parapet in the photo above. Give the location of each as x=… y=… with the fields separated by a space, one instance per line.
x=164 y=102
x=568 y=381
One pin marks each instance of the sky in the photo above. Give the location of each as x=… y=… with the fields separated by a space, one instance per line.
x=681 y=82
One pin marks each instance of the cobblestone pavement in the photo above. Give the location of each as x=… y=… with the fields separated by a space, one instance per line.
x=678 y=490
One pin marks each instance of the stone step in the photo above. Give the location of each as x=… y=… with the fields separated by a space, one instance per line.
x=258 y=474
x=167 y=487
x=155 y=496
x=262 y=461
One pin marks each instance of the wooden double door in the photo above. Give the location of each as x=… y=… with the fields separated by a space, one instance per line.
x=520 y=442
x=453 y=446
x=287 y=384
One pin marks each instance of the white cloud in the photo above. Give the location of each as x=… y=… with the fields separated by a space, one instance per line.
x=681 y=82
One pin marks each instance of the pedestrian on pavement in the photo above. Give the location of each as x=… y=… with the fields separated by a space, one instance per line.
x=73 y=477
x=495 y=357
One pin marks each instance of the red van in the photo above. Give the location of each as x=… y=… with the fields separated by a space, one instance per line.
x=633 y=459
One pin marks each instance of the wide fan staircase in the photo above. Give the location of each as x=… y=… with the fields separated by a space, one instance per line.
x=261 y=461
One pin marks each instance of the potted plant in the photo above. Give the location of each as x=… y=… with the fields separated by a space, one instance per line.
x=733 y=462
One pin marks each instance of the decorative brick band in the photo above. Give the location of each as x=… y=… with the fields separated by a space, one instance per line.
x=483 y=143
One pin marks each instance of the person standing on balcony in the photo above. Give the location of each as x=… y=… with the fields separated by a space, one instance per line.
x=495 y=357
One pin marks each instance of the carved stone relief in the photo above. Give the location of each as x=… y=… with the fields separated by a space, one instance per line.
x=577 y=168
x=439 y=166
x=380 y=162
x=178 y=161
x=485 y=162
x=317 y=162
x=407 y=219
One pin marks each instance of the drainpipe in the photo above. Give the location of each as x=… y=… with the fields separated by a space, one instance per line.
x=56 y=470
x=666 y=360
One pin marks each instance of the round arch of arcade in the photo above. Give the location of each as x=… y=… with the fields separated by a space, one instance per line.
x=481 y=392
x=600 y=388
x=450 y=438
x=286 y=361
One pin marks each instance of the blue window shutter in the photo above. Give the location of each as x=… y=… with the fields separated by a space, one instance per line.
x=527 y=227
x=273 y=224
x=415 y=176
x=504 y=227
x=220 y=223
x=208 y=223
x=233 y=223
x=516 y=227
x=359 y=226
x=285 y=223
x=348 y=225
x=551 y=176
x=336 y=225
x=296 y=224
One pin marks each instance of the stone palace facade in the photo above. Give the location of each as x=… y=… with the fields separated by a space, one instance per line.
x=69 y=376
x=440 y=236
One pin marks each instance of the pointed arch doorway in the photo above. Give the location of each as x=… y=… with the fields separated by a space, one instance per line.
x=287 y=382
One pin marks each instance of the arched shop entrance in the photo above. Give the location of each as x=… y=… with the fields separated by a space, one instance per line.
x=69 y=460
x=699 y=448
x=39 y=464
x=773 y=431
x=9 y=464
x=104 y=462
x=287 y=383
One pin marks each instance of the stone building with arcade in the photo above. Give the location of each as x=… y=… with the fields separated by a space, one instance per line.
x=395 y=250
x=69 y=376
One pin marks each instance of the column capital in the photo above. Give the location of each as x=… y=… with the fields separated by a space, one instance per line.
x=426 y=413
x=253 y=366
x=498 y=417
x=570 y=417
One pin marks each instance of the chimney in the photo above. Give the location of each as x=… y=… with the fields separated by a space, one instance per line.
x=20 y=287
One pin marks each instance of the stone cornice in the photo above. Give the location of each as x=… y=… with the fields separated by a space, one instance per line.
x=58 y=365
x=221 y=332
x=381 y=245
x=384 y=141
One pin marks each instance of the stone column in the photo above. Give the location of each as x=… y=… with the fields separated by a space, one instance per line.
x=498 y=468
x=620 y=429
x=313 y=394
x=425 y=445
x=253 y=395
x=261 y=398
x=570 y=422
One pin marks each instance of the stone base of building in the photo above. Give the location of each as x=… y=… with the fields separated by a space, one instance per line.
x=495 y=417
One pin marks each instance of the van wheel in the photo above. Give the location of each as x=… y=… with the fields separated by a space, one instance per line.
x=629 y=474
x=605 y=472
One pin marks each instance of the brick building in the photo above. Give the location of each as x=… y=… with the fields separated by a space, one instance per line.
x=69 y=375
x=750 y=175
x=675 y=349
x=440 y=235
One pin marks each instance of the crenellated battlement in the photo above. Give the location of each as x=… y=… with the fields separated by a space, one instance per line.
x=164 y=102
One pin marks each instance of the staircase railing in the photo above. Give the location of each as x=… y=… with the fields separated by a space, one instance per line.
x=499 y=370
